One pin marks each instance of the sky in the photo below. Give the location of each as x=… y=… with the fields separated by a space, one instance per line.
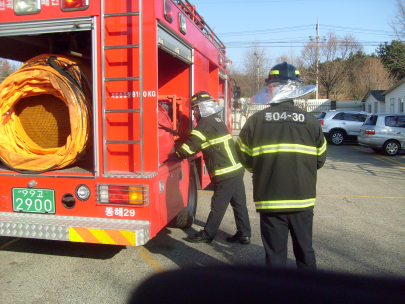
x=283 y=26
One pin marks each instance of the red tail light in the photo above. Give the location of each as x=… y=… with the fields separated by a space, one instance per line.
x=71 y=5
x=369 y=132
x=321 y=121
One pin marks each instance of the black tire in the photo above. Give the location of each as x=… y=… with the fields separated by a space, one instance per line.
x=185 y=218
x=391 y=147
x=337 y=137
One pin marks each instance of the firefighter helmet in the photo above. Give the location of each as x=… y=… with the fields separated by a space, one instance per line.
x=283 y=72
x=199 y=97
x=206 y=104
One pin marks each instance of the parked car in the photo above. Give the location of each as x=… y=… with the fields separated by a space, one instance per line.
x=383 y=133
x=338 y=125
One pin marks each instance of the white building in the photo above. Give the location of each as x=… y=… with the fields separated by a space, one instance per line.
x=394 y=98
x=374 y=102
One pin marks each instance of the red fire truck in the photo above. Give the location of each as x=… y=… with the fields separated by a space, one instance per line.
x=144 y=59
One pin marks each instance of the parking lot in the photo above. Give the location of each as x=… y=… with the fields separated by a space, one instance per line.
x=359 y=227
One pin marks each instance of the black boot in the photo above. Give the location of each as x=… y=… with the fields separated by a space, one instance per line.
x=238 y=238
x=199 y=237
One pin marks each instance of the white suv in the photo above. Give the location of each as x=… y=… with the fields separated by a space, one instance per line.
x=338 y=125
x=384 y=133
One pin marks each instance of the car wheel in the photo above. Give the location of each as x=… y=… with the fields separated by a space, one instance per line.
x=337 y=137
x=377 y=150
x=391 y=147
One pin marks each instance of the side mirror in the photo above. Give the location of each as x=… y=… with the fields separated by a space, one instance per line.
x=236 y=92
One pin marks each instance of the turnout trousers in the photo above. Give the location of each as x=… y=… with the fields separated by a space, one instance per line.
x=231 y=190
x=274 y=227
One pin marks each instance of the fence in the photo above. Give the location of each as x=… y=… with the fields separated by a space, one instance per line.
x=313 y=106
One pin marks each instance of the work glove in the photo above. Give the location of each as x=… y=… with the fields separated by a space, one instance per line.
x=172 y=157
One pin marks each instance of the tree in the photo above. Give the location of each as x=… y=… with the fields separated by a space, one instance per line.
x=370 y=74
x=6 y=68
x=398 y=24
x=393 y=58
x=333 y=67
x=246 y=75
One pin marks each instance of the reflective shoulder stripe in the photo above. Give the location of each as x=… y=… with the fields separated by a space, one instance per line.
x=187 y=149
x=198 y=134
x=243 y=147
x=229 y=169
x=284 y=204
x=323 y=148
x=216 y=141
x=284 y=148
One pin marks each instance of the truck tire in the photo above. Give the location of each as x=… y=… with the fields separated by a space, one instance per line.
x=185 y=218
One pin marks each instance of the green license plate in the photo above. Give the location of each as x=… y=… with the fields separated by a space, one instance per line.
x=34 y=200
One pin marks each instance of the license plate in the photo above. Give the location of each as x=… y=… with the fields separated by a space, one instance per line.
x=34 y=200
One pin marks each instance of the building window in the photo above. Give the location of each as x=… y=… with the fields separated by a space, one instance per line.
x=401 y=105
x=375 y=107
x=392 y=101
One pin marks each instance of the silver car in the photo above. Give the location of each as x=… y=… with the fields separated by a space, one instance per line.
x=338 y=126
x=383 y=132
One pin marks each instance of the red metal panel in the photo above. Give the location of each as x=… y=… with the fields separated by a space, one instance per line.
x=49 y=10
x=123 y=157
x=121 y=6
x=123 y=126
x=122 y=30
x=122 y=63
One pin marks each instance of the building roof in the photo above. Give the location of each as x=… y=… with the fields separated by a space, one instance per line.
x=394 y=86
x=377 y=94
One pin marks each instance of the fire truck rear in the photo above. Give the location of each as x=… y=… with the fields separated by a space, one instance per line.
x=97 y=106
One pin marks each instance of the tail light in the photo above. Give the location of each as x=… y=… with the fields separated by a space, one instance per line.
x=321 y=122
x=113 y=194
x=74 y=5
x=369 y=132
x=27 y=7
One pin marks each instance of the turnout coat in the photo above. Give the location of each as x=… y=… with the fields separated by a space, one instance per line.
x=283 y=146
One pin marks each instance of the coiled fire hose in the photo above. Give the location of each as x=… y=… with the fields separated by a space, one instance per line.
x=45 y=115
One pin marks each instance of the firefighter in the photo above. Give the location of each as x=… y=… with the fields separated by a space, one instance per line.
x=226 y=172
x=283 y=146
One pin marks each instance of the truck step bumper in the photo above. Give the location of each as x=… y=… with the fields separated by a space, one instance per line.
x=75 y=229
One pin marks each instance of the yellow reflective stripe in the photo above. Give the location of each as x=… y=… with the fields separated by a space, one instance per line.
x=243 y=147
x=187 y=149
x=274 y=72
x=297 y=72
x=322 y=149
x=198 y=134
x=228 y=150
x=284 y=204
x=216 y=141
x=229 y=169
x=284 y=148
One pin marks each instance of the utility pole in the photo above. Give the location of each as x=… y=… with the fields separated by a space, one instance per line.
x=258 y=82
x=317 y=57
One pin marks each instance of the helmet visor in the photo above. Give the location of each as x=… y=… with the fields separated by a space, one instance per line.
x=275 y=92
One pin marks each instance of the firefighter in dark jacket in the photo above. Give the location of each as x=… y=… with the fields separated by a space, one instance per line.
x=284 y=146
x=212 y=137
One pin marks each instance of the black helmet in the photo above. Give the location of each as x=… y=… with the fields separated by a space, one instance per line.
x=283 y=72
x=200 y=97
